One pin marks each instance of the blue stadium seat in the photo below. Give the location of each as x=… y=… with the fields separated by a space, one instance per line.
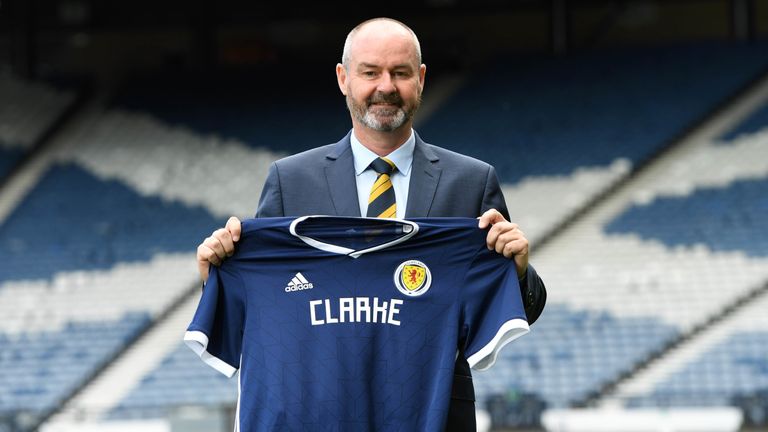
x=741 y=209
x=181 y=379
x=737 y=366
x=572 y=354
x=755 y=122
x=103 y=223
x=43 y=368
x=536 y=116
x=9 y=157
x=286 y=116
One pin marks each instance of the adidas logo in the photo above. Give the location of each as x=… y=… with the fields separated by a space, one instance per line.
x=298 y=283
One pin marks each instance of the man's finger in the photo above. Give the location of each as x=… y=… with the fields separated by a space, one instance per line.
x=204 y=257
x=210 y=253
x=216 y=248
x=225 y=238
x=234 y=227
x=501 y=232
x=509 y=232
x=515 y=248
x=493 y=237
x=490 y=217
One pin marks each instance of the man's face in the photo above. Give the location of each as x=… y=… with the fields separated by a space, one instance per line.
x=384 y=81
x=381 y=111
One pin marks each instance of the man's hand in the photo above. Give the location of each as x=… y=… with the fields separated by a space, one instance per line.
x=506 y=238
x=217 y=247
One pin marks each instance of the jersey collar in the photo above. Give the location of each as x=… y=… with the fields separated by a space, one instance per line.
x=409 y=230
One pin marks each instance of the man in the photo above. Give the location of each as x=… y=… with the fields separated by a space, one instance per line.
x=382 y=78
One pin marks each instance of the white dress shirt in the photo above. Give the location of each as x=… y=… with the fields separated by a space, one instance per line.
x=366 y=176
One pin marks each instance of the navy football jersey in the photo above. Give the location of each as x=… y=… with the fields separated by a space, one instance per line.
x=354 y=324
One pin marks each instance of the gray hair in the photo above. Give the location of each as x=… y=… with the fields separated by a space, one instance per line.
x=351 y=35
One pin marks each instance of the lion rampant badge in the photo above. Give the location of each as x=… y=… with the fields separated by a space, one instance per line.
x=413 y=278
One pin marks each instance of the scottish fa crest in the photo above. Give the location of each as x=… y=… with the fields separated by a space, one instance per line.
x=413 y=278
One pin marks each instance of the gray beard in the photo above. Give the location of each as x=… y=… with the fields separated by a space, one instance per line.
x=368 y=118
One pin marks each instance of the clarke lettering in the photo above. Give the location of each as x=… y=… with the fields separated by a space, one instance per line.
x=354 y=309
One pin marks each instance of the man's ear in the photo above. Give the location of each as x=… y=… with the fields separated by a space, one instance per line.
x=341 y=78
x=422 y=74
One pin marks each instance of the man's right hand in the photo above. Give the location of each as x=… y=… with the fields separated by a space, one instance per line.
x=216 y=248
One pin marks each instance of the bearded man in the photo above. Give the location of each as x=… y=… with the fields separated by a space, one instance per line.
x=382 y=77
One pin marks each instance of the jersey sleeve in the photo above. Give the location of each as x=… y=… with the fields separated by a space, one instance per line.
x=215 y=333
x=492 y=309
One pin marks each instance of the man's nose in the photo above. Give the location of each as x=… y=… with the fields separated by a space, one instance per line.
x=386 y=84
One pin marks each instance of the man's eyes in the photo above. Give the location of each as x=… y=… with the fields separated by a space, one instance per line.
x=399 y=74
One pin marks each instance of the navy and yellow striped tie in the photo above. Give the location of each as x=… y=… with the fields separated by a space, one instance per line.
x=381 y=201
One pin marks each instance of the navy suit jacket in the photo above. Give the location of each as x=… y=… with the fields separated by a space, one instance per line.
x=443 y=183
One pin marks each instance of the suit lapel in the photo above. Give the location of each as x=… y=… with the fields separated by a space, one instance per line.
x=425 y=174
x=340 y=175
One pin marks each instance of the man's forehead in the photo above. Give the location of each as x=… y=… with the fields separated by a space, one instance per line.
x=376 y=47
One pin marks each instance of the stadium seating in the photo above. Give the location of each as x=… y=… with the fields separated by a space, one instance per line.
x=571 y=354
x=39 y=369
x=8 y=159
x=104 y=223
x=561 y=130
x=701 y=218
x=552 y=115
x=755 y=123
x=588 y=348
x=738 y=366
x=84 y=296
x=557 y=136
x=26 y=110
x=731 y=368
x=285 y=113
x=662 y=259
x=113 y=222
x=89 y=263
x=181 y=379
x=133 y=186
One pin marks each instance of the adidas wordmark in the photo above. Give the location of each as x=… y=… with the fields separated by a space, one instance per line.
x=298 y=283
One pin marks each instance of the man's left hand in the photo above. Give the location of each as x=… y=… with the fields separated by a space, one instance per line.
x=506 y=238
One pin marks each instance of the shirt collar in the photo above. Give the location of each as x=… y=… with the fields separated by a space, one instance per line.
x=402 y=157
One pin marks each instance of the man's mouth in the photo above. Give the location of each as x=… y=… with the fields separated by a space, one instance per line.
x=386 y=101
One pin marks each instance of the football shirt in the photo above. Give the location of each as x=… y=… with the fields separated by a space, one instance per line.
x=354 y=324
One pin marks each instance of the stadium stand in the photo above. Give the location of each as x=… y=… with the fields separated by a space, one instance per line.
x=562 y=130
x=573 y=353
x=645 y=258
x=725 y=364
x=168 y=387
x=731 y=366
x=750 y=126
x=132 y=196
x=552 y=115
x=614 y=343
x=734 y=366
x=89 y=263
x=285 y=114
x=90 y=234
x=154 y=175
x=702 y=217
x=84 y=297
x=26 y=110
x=60 y=360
